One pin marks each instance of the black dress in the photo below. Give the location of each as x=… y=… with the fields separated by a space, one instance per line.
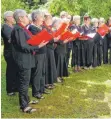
x=51 y=71
x=60 y=58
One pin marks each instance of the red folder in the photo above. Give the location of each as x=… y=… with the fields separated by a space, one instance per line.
x=103 y=30
x=66 y=35
x=60 y=30
x=84 y=37
x=76 y=35
x=40 y=37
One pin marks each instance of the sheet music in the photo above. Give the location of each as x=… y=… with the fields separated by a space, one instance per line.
x=91 y=35
x=74 y=31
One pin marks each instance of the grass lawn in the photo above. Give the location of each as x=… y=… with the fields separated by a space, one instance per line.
x=83 y=95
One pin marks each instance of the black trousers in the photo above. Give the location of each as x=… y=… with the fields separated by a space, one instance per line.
x=38 y=74
x=99 y=52
x=68 y=55
x=90 y=52
x=77 y=52
x=95 y=55
x=110 y=55
x=105 y=50
x=24 y=80
x=84 y=53
x=11 y=73
x=109 y=48
x=87 y=52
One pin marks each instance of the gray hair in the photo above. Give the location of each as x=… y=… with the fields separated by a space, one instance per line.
x=46 y=12
x=29 y=16
x=56 y=20
x=65 y=20
x=76 y=17
x=94 y=20
x=63 y=13
x=36 y=13
x=7 y=14
x=19 y=13
x=102 y=20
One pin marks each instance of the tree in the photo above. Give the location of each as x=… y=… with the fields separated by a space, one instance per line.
x=11 y=5
x=95 y=8
x=71 y=6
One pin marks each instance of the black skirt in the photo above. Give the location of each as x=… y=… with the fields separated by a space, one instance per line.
x=51 y=72
x=61 y=64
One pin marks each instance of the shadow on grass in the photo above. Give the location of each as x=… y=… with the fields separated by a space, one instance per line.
x=83 y=95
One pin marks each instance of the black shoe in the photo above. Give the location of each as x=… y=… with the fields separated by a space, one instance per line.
x=39 y=96
x=11 y=94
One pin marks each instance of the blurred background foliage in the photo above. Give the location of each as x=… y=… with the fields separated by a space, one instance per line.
x=95 y=8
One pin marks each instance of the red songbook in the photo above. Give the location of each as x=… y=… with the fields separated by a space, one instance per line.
x=84 y=37
x=40 y=37
x=66 y=35
x=103 y=30
x=69 y=35
x=60 y=30
x=76 y=35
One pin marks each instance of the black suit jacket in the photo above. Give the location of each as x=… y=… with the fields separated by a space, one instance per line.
x=22 y=52
x=6 y=35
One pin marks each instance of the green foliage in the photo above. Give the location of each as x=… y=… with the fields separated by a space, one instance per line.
x=11 y=5
x=96 y=8
x=71 y=6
